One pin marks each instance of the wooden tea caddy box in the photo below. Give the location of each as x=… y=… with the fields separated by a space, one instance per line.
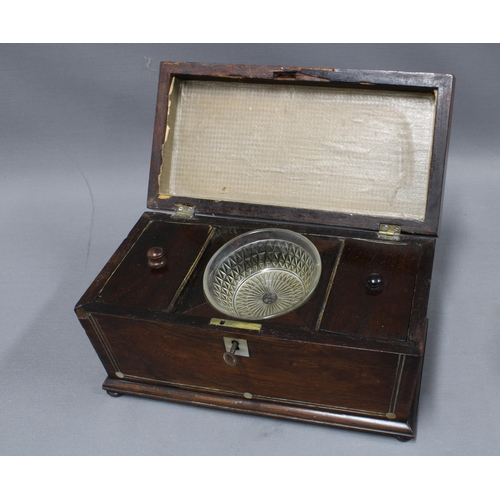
x=353 y=160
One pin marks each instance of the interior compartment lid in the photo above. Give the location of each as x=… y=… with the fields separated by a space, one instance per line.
x=336 y=147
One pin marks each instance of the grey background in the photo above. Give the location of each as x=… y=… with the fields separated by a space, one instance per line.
x=76 y=126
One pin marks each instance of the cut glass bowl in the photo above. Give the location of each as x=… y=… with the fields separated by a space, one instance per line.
x=262 y=274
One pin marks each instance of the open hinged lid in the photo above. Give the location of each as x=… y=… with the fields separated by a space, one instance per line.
x=325 y=146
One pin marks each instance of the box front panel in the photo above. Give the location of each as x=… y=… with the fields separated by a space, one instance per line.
x=285 y=371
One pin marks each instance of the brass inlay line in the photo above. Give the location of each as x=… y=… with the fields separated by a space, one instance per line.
x=414 y=293
x=391 y=412
x=235 y=324
x=99 y=293
x=191 y=269
x=104 y=343
x=382 y=242
x=330 y=284
x=303 y=404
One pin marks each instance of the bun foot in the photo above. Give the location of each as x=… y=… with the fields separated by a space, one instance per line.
x=402 y=439
x=114 y=394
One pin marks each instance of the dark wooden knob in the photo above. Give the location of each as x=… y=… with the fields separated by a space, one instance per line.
x=156 y=257
x=374 y=281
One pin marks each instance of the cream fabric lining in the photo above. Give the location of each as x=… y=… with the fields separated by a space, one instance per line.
x=339 y=150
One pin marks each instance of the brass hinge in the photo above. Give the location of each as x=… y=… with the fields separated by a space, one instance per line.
x=183 y=211
x=389 y=231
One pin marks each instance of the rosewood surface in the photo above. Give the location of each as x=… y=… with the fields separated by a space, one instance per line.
x=351 y=357
x=350 y=354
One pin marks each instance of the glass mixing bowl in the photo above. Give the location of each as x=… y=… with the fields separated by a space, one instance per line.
x=262 y=274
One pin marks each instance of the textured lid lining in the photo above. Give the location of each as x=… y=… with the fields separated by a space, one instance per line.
x=344 y=150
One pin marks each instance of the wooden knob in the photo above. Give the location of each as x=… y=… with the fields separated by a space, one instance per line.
x=156 y=257
x=374 y=281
